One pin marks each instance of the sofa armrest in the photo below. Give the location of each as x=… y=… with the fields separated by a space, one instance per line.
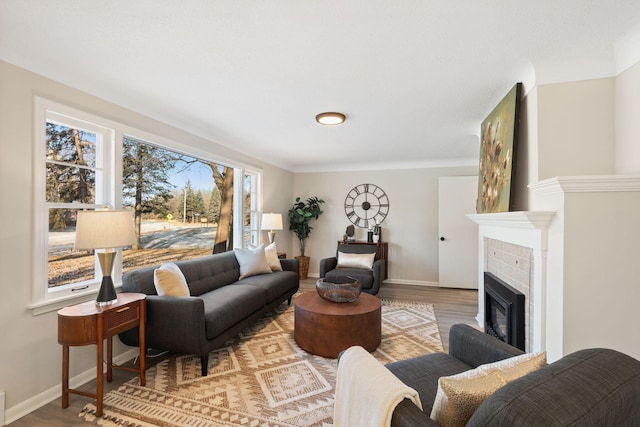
x=476 y=348
x=290 y=264
x=591 y=387
x=407 y=414
x=327 y=264
x=173 y=323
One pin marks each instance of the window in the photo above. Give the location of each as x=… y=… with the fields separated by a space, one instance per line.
x=82 y=161
x=183 y=208
x=74 y=170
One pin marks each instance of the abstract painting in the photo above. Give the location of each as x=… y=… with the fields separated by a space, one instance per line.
x=499 y=134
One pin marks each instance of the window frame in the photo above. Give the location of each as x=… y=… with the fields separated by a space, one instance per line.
x=44 y=298
x=255 y=211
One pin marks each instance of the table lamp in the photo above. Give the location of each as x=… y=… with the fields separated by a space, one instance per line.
x=271 y=221
x=106 y=229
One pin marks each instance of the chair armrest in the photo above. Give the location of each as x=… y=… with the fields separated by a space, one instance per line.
x=290 y=264
x=378 y=275
x=476 y=348
x=327 y=264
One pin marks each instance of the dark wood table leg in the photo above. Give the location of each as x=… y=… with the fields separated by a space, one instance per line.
x=109 y=359
x=141 y=340
x=99 y=368
x=65 y=376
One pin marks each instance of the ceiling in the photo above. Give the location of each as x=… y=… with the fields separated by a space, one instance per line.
x=415 y=78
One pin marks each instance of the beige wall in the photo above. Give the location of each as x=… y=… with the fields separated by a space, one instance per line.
x=411 y=227
x=576 y=128
x=31 y=357
x=627 y=122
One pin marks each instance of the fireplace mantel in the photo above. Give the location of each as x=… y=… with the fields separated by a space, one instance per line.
x=522 y=219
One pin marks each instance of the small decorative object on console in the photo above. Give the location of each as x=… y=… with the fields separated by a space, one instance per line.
x=347 y=291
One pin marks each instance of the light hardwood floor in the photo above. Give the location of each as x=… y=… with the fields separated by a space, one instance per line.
x=451 y=306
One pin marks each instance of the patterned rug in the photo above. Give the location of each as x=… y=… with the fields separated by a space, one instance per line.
x=261 y=378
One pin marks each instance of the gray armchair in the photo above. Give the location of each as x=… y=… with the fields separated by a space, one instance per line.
x=369 y=278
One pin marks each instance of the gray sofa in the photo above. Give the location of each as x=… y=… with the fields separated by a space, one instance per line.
x=220 y=305
x=593 y=387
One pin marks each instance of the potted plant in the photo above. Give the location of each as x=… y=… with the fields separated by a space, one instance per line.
x=300 y=215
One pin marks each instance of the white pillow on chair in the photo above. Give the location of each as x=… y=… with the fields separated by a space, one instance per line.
x=348 y=260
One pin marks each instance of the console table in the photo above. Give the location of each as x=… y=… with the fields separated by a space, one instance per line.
x=87 y=323
x=382 y=252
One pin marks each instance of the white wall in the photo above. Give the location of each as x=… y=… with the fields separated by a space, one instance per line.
x=627 y=123
x=411 y=227
x=30 y=359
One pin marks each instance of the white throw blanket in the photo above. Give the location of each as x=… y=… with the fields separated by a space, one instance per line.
x=366 y=391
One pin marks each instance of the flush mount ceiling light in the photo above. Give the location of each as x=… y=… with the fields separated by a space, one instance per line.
x=330 y=118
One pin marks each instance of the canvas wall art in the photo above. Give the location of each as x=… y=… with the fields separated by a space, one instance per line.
x=499 y=134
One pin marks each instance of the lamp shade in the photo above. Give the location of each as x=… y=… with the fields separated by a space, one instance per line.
x=271 y=221
x=104 y=229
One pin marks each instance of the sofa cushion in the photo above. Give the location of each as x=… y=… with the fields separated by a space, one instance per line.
x=459 y=396
x=274 y=285
x=422 y=374
x=169 y=280
x=351 y=260
x=252 y=261
x=210 y=272
x=363 y=275
x=271 y=253
x=226 y=306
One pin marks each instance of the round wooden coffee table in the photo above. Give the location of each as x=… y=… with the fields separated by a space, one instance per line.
x=326 y=328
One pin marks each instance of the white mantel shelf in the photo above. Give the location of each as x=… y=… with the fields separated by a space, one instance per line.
x=520 y=219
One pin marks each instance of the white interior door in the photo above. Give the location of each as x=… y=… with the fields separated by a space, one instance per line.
x=458 y=248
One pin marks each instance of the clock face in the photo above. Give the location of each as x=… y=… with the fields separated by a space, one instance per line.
x=366 y=205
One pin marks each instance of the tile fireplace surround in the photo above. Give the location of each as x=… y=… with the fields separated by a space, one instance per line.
x=513 y=246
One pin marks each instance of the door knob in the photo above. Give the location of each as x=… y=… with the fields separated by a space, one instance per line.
x=442 y=239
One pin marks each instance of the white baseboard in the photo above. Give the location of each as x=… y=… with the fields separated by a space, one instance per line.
x=27 y=406
x=423 y=283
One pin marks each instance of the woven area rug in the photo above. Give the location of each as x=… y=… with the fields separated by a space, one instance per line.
x=261 y=378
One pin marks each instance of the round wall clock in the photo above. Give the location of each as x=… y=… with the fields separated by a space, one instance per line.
x=366 y=205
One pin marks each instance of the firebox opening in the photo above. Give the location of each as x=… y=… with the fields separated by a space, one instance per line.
x=504 y=311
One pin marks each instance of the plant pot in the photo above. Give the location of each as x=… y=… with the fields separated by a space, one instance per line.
x=303 y=266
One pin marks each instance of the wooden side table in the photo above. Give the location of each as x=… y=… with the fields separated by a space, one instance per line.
x=87 y=323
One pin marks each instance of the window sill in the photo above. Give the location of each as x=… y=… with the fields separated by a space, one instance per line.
x=53 y=304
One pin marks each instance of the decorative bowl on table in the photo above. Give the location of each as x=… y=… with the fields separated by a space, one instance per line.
x=346 y=290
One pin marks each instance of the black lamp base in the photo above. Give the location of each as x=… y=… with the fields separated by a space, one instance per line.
x=107 y=293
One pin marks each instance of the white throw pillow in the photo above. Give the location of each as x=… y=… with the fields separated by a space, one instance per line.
x=347 y=260
x=271 y=253
x=169 y=280
x=460 y=395
x=252 y=261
